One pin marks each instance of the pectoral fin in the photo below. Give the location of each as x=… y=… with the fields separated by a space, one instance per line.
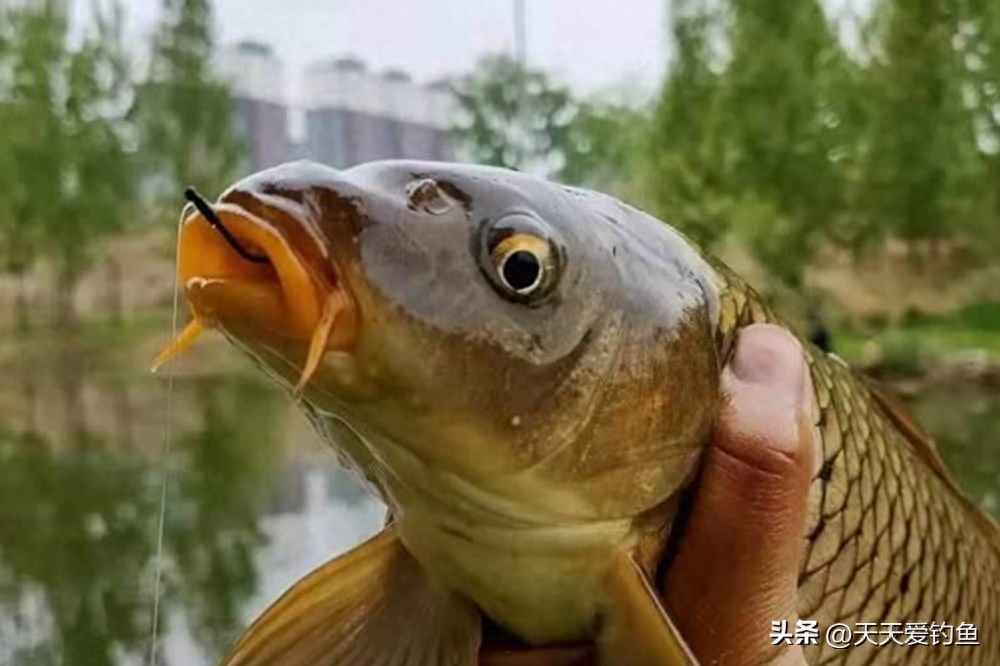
x=635 y=629
x=373 y=606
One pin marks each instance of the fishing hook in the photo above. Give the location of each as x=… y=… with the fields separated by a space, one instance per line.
x=206 y=211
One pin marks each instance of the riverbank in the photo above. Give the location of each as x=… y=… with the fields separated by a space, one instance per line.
x=921 y=349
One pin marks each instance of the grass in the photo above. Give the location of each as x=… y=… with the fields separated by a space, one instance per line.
x=919 y=340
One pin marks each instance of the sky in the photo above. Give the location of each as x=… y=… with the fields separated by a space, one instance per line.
x=590 y=44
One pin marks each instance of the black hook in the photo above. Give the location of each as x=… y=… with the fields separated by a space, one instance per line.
x=206 y=211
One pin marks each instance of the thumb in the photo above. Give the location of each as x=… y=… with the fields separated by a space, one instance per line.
x=737 y=566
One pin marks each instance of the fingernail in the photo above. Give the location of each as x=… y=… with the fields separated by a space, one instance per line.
x=771 y=357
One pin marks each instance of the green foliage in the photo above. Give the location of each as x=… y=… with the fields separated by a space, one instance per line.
x=516 y=117
x=748 y=127
x=981 y=47
x=66 y=174
x=769 y=127
x=685 y=159
x=184 y=115
x=603 y=141
x=984 y=316
x=979 y=316
x=80 y=139
x=920 y=340
x=902 y=354
x=921 y=168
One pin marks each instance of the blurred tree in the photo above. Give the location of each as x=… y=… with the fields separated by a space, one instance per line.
x=784 y=123
x=748 y=129
x=184 y=114
x=513 y=116
x=768 y=127
x=72 y=181
x=16 y=242
x=685 y=161
x=922 y=167
x=979 y=28
x=516 y=117
x=603 y=143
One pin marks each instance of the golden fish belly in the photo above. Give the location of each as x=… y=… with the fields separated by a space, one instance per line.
x=544 y=584
x=533 y=558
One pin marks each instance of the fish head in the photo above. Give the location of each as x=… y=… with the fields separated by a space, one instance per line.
x=468 y=328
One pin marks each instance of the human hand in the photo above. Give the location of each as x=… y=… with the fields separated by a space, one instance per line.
x=738 y=563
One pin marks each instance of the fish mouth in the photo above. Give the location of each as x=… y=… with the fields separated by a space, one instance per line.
x=262 y=279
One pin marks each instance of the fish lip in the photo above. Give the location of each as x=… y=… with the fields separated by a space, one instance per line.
x=300 y=272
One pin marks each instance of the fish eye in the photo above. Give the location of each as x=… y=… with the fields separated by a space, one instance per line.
x=520 y=262
x=520 y=259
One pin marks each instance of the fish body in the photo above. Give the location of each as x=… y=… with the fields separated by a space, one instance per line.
x=890 y=538
x=527 y=374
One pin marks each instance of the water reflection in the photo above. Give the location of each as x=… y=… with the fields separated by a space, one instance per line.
x=221 y=475
x=246 y=516
x=254 y=504
x=965 y=423
x=74 y=539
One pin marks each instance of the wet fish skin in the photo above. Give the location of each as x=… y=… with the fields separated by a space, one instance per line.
x=890 y=538
x=575 y=424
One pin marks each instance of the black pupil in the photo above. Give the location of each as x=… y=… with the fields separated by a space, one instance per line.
x=521 y=270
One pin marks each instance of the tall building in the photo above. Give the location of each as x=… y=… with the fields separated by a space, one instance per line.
x=259 y=105
x=354 y=115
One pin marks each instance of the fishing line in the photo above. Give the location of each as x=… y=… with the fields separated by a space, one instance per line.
x=164 y=456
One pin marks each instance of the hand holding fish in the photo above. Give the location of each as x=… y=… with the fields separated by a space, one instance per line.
x=745 y=537
x=744 y=541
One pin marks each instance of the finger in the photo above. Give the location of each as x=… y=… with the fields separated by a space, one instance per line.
x=737 y=566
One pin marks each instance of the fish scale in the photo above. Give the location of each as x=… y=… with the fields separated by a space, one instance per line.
x=887 y=539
